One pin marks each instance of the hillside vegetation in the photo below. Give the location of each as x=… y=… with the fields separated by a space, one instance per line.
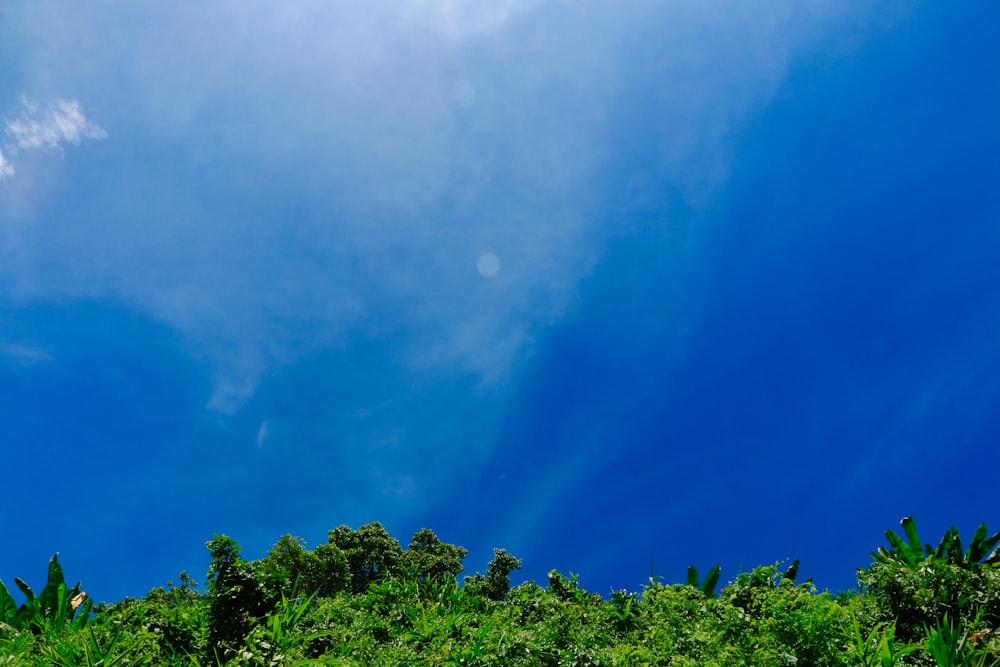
x=361 y=599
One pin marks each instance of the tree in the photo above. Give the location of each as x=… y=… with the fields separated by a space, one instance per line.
x=237 y=599
x=288 y=565
x=333 y=571
x=289 y=568
x=370 y=551
x=428 y=558
x=496 y=583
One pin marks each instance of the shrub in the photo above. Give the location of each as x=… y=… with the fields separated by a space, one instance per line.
x=916 y=585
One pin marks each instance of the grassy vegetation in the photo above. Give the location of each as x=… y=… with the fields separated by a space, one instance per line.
x=360 y=599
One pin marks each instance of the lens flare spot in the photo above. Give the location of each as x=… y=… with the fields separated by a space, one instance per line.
x=488 y=265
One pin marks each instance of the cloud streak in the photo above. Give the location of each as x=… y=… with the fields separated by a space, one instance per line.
x=313 y=178
x=23 y=356
x=59 y=123
x=412 y=140
x=6 y=169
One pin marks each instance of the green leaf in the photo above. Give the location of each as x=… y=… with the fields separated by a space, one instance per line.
x=49 y=600
x=900 y=552
x=25 y=588
x=55 y=571
x=792 y=571
x=945 y=544
x=910 y=528
x=883 y=555
x=895 y=541
x=981 y=545
x=692 y=578
x=7 y=605
x=82 y=616
x=711 y=580
x=955 y=552
x=63 y=611
x=25 y=614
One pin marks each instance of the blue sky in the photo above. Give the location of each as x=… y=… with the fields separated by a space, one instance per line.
x=597 y=283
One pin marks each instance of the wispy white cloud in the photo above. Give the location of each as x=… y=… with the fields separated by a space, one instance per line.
x=309 y=173
x=263 y=432
x=59 y=123
x=62 y=121
x=6 y=169
x=23 y=356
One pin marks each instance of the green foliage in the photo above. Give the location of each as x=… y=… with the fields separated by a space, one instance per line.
x=277 y=641
x=916 y=586
x=680 y=624
x=54 y=628
x=496 y=583
x=367 y=602
x=428 y=558
x=370 y=551
x=333 y=572
x=878 y=648
x=237 y=598
x=983 y=550
x=909 y=552
x=175 y=619
x=782 y=620
x=624 y=610
x=55 y=608
x=950 y=645
x=711 y=580
x=290 y=566
x=91 y=651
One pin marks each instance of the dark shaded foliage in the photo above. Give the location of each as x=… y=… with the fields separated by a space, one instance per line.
x=496 y=583
x=237 y=598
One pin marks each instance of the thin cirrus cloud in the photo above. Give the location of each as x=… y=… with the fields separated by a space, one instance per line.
x=366 y=159
x=22 y=356
x=427 y=181
x=50 y=128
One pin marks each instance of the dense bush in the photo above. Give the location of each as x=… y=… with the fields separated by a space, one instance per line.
x=914 y=585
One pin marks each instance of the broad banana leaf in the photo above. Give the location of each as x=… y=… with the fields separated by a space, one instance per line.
x=25 y=588
x=792 y=571
x=711 y=580
x=910 y=528
x=7 y=605
x=901 y=551
x=981 y=545
x=956 y=553
x=49 y=602
x=62 y=611
x=82 y=616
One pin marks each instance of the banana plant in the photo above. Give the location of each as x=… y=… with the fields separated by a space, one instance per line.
x=711 y=579
x=56 y=607
x=7 y=607
x=909 y=552
x=983 y=549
